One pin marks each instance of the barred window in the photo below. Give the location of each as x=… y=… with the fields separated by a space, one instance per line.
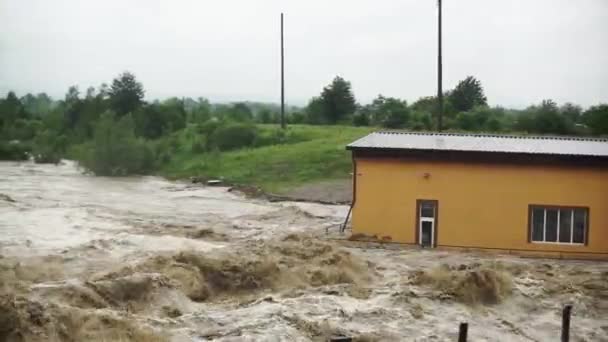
x=558 y=224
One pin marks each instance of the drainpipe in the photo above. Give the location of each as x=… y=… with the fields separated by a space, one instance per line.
x=354 y=199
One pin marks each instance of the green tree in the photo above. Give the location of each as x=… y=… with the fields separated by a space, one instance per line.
x=174 y=114
x=38 y=105
x=296 y=117
x=73 y=107
x=425 y=104
x=240 y=112
x=90 y=108
x=420 y=121
x=13 y=118
x=126 y=94
x=481 y=118
x=389 y=112
x=544 y=119
x=335 y=104
x=361 y=119
x=157 y=119
x=11 y=109
x=264 y=116
x=596 y=118
x=315 y=112
x=467 y=94
x=571 y=111
x=198 y=111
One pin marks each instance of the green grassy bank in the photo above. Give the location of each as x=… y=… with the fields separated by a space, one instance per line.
x=308 y=154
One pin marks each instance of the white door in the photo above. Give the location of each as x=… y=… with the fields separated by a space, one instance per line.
x=427 y=216
x=427 y=232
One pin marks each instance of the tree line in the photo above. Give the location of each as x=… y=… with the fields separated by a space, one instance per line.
x=111 y=130
x=465 y=109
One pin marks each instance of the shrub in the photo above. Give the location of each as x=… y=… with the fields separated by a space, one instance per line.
x=198 y=145
x=209 y=126
x=48 y=147
x=114 y=150
x=481 y=118
x=396 y=119
x=232 y=136
x=361 y=119
x=421 y=121
x=14 y=150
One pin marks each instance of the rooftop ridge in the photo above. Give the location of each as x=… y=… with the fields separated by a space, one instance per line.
x=495 y=135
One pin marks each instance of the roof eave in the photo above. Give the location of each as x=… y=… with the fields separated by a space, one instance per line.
x=480 y=153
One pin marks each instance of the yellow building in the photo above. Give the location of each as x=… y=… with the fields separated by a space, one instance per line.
x=530 y=195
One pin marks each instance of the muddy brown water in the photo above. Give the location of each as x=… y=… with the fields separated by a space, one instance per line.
x=143 y=258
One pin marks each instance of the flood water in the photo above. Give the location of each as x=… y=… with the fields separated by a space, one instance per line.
x=184 y=262
x=57 y=207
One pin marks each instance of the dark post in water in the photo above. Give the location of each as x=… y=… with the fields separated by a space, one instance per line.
x=566 y=323
x=462 y=332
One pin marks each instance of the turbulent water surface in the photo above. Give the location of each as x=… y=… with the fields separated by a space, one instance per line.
x=142 y=258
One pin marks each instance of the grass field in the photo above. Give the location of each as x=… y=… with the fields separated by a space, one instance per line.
x=315 y=153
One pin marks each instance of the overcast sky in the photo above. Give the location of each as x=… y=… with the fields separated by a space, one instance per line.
x=523 y=51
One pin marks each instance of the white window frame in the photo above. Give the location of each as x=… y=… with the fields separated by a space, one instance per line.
x=545 y=208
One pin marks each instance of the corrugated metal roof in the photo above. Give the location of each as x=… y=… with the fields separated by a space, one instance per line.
x=484 y=143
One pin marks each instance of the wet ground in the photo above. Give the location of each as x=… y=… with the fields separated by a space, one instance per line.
x=145 y=259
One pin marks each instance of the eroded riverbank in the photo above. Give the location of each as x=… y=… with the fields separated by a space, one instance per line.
x=91 y=258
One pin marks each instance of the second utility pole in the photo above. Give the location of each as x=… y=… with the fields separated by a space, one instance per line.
x=439 y=73
x=282 y=78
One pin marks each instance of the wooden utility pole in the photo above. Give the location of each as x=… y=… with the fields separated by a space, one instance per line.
x=282 y=77
x=439 y=72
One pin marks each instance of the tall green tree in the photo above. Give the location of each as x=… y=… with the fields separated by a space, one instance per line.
x=467 y=94
x=11 y=109
x=126 y=94
x=14 y=119
x=73 y=106
x=336 y=102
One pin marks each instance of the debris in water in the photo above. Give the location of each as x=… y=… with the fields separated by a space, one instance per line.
x=171 y=312
x=7 y=198
x=207 y=234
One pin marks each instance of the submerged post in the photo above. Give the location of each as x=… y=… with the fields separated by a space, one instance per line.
x=566 y=322
x=462 y=332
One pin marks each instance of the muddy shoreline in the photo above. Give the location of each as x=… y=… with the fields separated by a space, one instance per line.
x=331 y=192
